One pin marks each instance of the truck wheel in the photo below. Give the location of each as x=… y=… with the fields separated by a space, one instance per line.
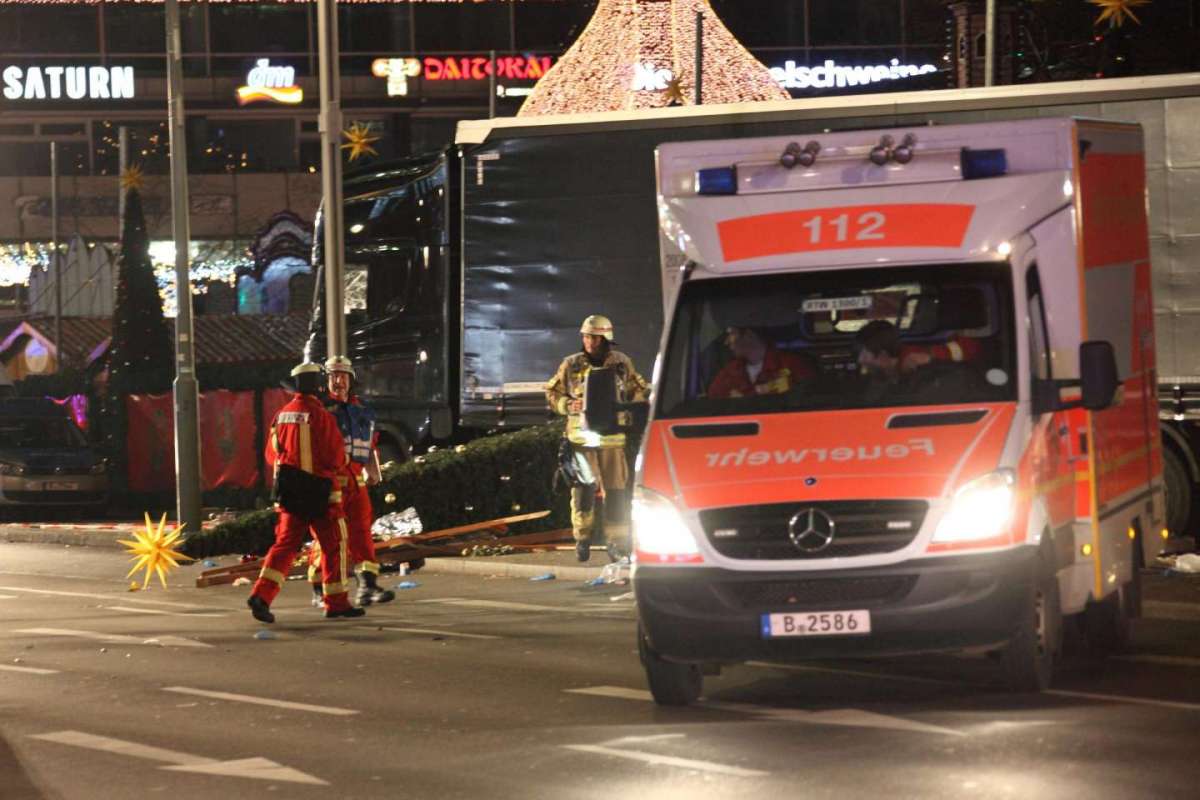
x=1029 y=657
x=1180 y=503
x=392 y=450
x=671 y=684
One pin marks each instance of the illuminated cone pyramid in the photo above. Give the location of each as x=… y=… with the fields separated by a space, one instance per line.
x=641 y=54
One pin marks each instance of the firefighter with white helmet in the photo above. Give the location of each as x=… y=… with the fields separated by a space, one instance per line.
x=357 y=425
x=605 y=454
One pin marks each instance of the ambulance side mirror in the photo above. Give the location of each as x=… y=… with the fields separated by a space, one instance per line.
x=1098 y=375
x=600 y=401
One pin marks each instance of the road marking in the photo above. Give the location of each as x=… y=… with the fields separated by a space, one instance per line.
x=110 y=598
x=619 y=692
x=848 y=717
x=256 y=768
x=439 y=633
x=160 y=611
x=857 y=673
x=1171 y=661
x=1162 y=609
x=262 y=701
x=1116 y=698
x=670 y=761
x=30 y=670
x=115 y=638
x=8 y=597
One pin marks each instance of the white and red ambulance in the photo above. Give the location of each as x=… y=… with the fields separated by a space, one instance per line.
x=905 y=401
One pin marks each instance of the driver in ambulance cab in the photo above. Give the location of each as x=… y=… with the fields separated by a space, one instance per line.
x=757 y=367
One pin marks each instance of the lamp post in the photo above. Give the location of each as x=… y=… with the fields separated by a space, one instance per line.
x=329 y=122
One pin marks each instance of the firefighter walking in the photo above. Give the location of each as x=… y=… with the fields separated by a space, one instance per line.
x=306 y=451
x=356 y=423
x=605 y=454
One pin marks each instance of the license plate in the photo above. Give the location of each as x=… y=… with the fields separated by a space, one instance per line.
x=61 y=486
x=816 y=623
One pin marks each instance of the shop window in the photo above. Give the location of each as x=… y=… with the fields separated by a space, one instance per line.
x=250 y=145
x=149 y=146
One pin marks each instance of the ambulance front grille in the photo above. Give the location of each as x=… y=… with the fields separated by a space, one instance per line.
x=860 y=527
x=862 y=592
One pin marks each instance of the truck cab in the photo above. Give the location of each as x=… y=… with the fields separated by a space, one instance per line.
x=905 y=400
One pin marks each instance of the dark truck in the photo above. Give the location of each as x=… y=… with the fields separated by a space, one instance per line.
x=468 y=271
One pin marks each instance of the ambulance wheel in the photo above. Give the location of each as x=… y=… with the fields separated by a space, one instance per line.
x=1029 y=657
x=671 y=683
x=1181 y=506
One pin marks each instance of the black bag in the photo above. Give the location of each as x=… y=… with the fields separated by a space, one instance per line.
x=573 y=468
x=301 y=493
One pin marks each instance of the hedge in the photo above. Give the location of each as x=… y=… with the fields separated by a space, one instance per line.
x=488 y=478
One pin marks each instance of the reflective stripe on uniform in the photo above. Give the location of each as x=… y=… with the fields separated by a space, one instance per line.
x=343 y=542
x=335 y=588
x=335 y=497
x=956 y=351
x=306 y=447
x=272 y=575
x=369 y=566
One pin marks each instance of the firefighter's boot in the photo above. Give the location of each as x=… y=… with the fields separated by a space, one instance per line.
x=369 y=590
x=318 y=595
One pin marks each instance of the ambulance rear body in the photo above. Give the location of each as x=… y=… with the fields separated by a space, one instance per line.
x=966 y=500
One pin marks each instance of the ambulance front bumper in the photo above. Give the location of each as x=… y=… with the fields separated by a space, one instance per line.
x=705 y=614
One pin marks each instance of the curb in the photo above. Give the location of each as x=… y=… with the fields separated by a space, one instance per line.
x=66 y=537
x=478 y=566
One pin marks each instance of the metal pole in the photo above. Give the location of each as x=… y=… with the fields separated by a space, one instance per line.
x=329 y=122
x=122 y=165
x=187 y=391
x=989 y=43
x=58 y=353
x=699 y=99
x=492 y=84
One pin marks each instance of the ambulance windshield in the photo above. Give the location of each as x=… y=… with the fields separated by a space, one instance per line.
x=861 y=338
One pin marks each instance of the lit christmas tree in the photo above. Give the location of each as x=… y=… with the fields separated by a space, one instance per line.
x=637 y=54
x=141 y=343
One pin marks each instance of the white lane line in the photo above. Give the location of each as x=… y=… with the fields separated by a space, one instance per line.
x=857 y=673
x=111 y=597
x=503 y=605
x=619 y=692
x=256 y=767
x=8 y=597
x=433 y=632
x=115 y=638
x=30 y=670
x=670 y=761
x=1170 y=661
x=1116 y=698
x=131 y=610
x=262 y=701
x=1162 y=609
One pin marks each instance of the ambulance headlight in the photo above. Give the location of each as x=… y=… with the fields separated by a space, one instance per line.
x=660 y=534
x=981 y=509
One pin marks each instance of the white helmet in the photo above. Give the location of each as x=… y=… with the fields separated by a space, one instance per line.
x=339 y=364
x=304 y=368
x=597 y=325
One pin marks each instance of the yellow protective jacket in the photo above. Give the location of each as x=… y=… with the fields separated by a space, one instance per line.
x=567 y=385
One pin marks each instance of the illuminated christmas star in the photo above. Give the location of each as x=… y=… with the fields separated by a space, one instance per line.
x=674 y=92
x=1117 y=11
x=133 y=178
x=154 y=550
x=358 y=141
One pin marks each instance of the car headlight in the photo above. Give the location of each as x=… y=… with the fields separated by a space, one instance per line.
x=11 y=469
x=660 y=534
x=981 y=509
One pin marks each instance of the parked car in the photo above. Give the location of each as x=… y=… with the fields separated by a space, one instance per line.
x=45 y=460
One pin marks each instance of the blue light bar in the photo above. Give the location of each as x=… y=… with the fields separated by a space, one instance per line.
x=983 y=163
x=716 y=180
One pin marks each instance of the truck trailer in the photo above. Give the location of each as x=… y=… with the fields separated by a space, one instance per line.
x=469 y=270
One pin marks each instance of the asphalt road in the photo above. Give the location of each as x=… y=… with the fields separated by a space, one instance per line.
x=470 y=687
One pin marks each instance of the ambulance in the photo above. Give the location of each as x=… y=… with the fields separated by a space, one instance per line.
x=904 y=401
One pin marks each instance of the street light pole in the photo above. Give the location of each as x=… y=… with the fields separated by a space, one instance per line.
x=989 y=43
x=329 y=123
x=187 y=391
x=56 y=266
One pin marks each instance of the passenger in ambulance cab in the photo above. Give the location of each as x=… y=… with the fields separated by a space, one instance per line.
x=879 y=352
x=758 y=367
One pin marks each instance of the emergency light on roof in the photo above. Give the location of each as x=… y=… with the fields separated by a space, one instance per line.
x=983 y=163
x=716 y=180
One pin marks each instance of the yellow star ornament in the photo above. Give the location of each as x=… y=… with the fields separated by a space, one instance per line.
x=154 y=550
x=358 y=141
x=133 y=178
x=674 y=92
x=1117 y=11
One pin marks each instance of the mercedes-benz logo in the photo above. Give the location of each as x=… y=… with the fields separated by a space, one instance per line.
x=811 y=530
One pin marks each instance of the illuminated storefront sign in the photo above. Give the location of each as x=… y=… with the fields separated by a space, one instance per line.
x=458 y=68
x=267 y=82
x=831 y=74
x=67 y=83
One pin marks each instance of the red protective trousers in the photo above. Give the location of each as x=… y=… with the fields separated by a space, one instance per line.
x=290 y=533
x=356 y=505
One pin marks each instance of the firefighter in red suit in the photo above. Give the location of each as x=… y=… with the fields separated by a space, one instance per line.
x=357 y=425
x=306 y=450
x=757 y=368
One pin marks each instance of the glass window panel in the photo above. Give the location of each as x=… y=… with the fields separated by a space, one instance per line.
x=482 y=26
x=259 y=28
x=135 y=28
x=854 y=22
x=149 y=146
x=764 y=23
x=57 y=29
x=377 y=28
x=551 y=26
